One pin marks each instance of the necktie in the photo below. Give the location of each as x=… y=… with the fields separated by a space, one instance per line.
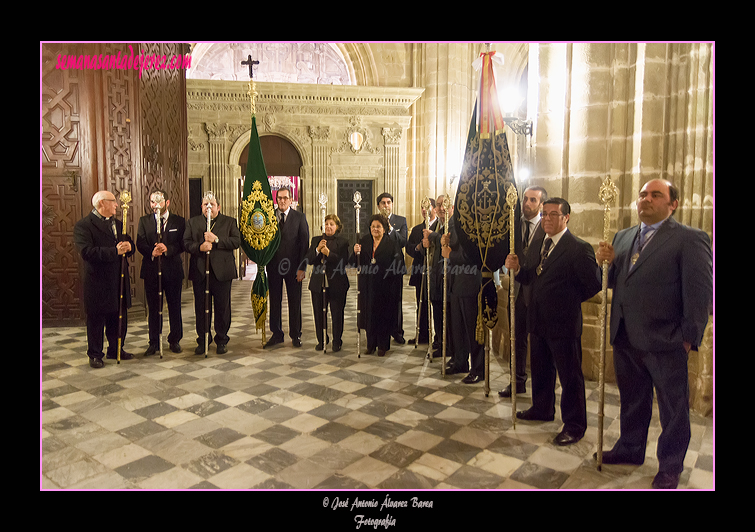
x=544 y=255
x=645 y=235
x=283 y=220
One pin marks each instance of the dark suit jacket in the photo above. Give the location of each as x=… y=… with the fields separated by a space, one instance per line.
x=222 y=260
x=101 y=264
x=418 y=257
x=525 y=291
x=335 y=264
x=399 y=234
x=666 y=298
x=293 y=246
x=570 y=276
x=464 y=276
x=172 y=237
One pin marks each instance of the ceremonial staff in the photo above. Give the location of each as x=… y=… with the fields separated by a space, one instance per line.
x=422 y=282
x=357 y=207
x=511 y=201
x=607 y=193
x=125 y=198
x=209 y=197
x=446 y=206
x=323 y=200
x=426 y=206
x=158 y=222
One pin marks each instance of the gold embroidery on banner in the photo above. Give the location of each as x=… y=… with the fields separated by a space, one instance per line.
x=259 y=224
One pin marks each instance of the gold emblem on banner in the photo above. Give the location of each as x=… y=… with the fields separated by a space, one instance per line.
x=480 y=196
x=259 y=223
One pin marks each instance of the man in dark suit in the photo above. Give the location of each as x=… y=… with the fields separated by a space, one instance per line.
x=464 y=280
x=289 y=266
x=416 y=251
x=563 y=273
x=167 y=252
x=100 y=240
x=220 y=241
x=661 y=273
x=397 y=231
x=532 y=230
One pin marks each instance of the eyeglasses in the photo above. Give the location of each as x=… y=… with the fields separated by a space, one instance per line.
x=551 y=215
x=283 y=198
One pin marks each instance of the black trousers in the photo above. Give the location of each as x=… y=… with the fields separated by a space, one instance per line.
x=101 y=325
x=562 y=355
x=220 y=301
x=421 y=298
x=293 y=293
x=336 y=302
x=520 y=348
x=462 y=336
x=172 y=294
x=637 y=374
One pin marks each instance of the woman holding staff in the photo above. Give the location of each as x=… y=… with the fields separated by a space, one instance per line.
x=328 y=255
x=381 y=273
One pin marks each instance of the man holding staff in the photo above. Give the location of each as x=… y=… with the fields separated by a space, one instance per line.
x=220 y=241
x=161 y=248
x=102 y=244
x=661 y=273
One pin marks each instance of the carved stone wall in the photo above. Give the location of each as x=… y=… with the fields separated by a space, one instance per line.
x=318 y=120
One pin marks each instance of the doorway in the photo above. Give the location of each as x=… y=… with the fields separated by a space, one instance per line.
x=346 y=211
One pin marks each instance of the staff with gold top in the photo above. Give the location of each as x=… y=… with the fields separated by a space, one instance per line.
x=511 y=202
x=104 y=247
x=426 y=206
x=608 y=193
x=125 y=198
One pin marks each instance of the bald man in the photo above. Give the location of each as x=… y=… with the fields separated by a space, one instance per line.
x=100 y=240
x=661 y=273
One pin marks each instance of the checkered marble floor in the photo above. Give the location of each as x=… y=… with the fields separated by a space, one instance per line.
x=296 y=418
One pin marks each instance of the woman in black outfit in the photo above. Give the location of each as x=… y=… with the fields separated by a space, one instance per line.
x=328 y=255
x=380 y=274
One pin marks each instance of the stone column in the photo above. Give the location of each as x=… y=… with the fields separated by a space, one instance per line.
x=393 y=170
x=320 y=181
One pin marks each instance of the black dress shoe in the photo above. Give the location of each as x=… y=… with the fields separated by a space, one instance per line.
x=296 y=342
x=665 y=481
x=199 y=350
x=221 y=349
x=273 y=341
x=381 y=352
x=96 y=363
x=151 y=350
x=399 y=339
x=617 y=457
x=532 y=415
x=566 y=437
x=175 y=347
x=337 y=346
x=520 y=388
x=318 y=347
x=472 y=379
